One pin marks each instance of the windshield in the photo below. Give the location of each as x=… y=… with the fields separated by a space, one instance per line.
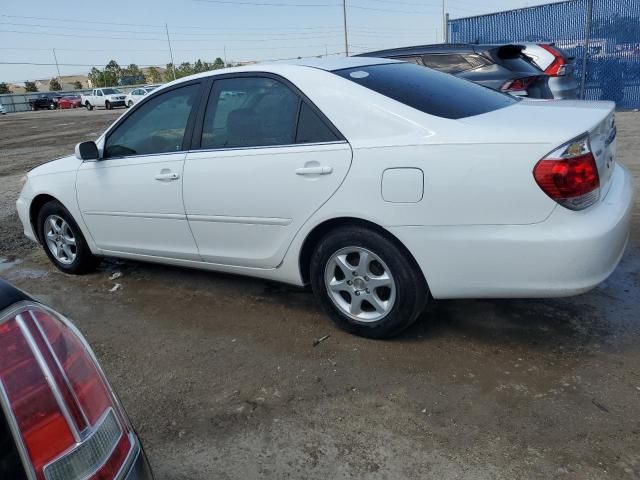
x=110 y=91
x=429 y=91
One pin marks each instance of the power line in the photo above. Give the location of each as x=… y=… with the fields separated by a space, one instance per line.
x=81 y=36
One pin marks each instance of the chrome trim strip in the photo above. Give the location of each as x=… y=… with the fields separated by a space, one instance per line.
x=62 y=372
x=269 y=147
x=162 y=216
x=242 y=220
x=48 y=376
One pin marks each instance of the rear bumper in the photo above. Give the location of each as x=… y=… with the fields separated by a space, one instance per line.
x=567 y=254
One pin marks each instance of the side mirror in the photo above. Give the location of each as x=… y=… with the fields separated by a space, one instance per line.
x=87 y=151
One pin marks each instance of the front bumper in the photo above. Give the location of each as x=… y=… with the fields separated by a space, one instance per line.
x=567 y=254
x=117 y=103
x=22 y=206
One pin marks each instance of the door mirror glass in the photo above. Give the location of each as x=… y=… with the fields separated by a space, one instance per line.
x=87 y=151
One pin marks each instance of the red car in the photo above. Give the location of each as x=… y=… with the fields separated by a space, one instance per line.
x=70 y=101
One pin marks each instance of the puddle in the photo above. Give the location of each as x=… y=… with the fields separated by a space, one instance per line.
x=6 y=264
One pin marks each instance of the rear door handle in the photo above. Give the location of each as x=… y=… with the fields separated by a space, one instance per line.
x=167 y=177
x=314 y=170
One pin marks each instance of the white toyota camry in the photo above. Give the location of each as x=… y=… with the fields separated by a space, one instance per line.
x=380 y=183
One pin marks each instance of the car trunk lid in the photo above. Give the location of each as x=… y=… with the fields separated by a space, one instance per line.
x=554 y=123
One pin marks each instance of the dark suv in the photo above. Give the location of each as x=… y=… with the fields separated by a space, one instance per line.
x=501 y=67
x=46 y=101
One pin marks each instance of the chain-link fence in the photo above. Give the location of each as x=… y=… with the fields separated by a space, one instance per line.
x=606 y=32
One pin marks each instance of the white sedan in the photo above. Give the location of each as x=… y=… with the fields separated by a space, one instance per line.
x=380 y=183
x=134 y=96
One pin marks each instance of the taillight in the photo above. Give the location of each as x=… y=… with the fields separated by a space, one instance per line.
x=520 y=84
x=558 y=67
x=569 y=175
x=70 y=423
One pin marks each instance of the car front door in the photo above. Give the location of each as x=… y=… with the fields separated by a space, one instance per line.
x=131 y=199
x=267 y=160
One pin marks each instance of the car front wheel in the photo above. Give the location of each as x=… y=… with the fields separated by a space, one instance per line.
x=107 y=105
x=367 y=283
x=63 y=241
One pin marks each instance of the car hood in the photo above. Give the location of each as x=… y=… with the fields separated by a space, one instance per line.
x=60 y=165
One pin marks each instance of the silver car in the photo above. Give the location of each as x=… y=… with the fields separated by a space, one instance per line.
x=557 y=65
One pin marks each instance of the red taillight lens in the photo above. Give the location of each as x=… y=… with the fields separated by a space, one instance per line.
x=569 y=175
x=558 y=66
x=519 y=85
x=70 y=423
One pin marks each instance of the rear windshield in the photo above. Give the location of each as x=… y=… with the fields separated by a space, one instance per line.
x=429 y=91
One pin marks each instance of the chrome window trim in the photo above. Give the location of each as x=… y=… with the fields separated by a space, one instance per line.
x=262 y=147
x=230 y=149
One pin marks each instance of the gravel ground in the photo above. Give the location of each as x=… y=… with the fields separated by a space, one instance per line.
x=221 y=378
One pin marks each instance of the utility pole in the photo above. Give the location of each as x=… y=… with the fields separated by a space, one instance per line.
x=57 y=67
x=225 y=56
x=346 y=35
x=587 y=41
x=444 y=24
x=173 y=65
x=326 y=51
x=446 y=27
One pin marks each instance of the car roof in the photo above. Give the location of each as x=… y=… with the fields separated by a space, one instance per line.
x=333 y=64
x=10 y=295
x=433 y=48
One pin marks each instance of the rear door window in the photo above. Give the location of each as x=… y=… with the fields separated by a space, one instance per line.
x=427 y=90
x=454 y=63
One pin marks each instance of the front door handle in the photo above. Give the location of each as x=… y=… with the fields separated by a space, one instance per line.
x=319 y=170
x=167 y=176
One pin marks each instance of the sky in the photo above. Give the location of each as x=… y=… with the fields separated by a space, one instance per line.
x=235 y=30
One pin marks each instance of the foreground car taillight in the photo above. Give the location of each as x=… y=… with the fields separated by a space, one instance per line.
x=69 y=423
x=519 y=85
x=558 y=67
x=569 y=175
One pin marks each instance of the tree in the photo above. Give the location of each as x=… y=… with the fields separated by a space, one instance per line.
x=153 y=75
x=77 y=85
x=30 y=86
x=4 y=88
x=218 y=63
x=54 y=85
x=168 y=73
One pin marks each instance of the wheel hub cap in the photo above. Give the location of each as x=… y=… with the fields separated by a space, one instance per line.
x=360 y=284
x=60 y=239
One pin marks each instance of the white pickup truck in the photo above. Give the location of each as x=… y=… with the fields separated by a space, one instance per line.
x=104 y=97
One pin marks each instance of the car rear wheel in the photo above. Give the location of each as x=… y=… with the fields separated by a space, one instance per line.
x=63 y=241
x=130 y=104
x=89 y=106
x=107 y=105
x=52 y=106
x=367 y=283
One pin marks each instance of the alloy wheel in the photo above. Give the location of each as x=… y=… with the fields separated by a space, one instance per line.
x=60 y=239
x=360 y=284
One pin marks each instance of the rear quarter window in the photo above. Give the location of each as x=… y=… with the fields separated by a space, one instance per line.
x=427 y=90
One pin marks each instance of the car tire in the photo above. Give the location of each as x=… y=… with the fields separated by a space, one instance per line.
x=89 y=106
x=107 y=105
x=378 y=291
x=130 y=104
x=63 y=241
x=52 y=106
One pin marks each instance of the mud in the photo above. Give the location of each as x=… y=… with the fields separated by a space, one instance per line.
x=221 y=377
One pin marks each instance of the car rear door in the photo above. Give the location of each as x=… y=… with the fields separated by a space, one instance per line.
x=266 y=159
x=131 y=199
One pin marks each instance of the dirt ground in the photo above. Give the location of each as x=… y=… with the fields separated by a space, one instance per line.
x=222 y=380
